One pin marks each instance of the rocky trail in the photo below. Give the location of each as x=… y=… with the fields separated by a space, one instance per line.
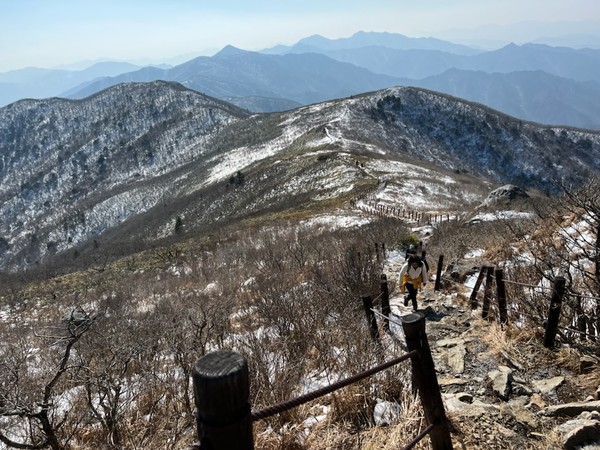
x=501 y=388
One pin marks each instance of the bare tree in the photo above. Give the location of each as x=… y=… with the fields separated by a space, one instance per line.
x=29 y=404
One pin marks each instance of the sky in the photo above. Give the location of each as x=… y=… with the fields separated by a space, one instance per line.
x=50 y=33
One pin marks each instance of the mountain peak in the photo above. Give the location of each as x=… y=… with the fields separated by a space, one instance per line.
x=230 y=50
x=376 y=34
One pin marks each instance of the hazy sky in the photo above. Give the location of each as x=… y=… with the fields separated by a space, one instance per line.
x=47 y=33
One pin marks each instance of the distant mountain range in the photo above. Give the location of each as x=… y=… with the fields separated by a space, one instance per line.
x=111 y=172
x=39 y=83
x=393 y=41
x=234 y=73
x=580 y=65
x=551 y=85
x=531 y=95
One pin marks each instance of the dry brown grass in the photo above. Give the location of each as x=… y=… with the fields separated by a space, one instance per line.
x=568 y=358
x=330 y=436
x=496 y=337
x=340 y=428
x=550 y=441
x=590 y=380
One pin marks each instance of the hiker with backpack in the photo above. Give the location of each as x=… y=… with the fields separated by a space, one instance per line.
x=413 y=276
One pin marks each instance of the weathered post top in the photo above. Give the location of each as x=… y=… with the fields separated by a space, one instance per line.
x=219 y=370
x=220 y=363
x=222 y=390
x=412 y=318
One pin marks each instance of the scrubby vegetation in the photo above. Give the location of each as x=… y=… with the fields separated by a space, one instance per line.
x=102 y=358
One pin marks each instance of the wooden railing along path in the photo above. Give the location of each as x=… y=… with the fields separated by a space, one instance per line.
x=225 y=417
x=488 y=276
x=221 y=379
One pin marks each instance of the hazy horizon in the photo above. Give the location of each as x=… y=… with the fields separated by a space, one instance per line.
x=52 y=33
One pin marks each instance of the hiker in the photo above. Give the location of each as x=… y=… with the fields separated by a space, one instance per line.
x=413 y=276
x=412 y=250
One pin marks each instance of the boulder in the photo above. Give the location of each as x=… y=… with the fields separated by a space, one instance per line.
x=571 y=409
x=501 y=381
x=504 y=194
x=456 y=358
x=579 y=432
x=474 y=409
x=547 y=386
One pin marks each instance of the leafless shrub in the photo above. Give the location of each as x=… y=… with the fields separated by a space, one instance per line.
x=287 y=297
x=561 y=239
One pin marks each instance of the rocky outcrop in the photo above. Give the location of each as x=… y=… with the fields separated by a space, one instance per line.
x=501 y=381
x=547 y=386
x=504 y=195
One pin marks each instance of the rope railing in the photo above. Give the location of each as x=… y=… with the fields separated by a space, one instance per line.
x=419 y=437
x=221 y=390
x=538 y=287
x=450 y=279
x=531 y=286
x=583 y=297
x=302 y=399
x=378 y=297
x=542 y=288
x=579 y=332
x=383 y=316
x=558 y=291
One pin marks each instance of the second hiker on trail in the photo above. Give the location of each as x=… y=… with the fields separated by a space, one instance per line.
x=413 y=276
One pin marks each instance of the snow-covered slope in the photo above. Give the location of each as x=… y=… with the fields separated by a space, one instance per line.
x=121 y=166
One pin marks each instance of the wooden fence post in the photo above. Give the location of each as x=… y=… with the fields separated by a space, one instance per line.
x=221 y=391
x=371 y=321
x=438 y=277
x=473 y=297
x=425 y=380
x=581 y=322
x=487 y=293
x=554 y=311
x=424 y=259
x=385 y=302
x=501 y=289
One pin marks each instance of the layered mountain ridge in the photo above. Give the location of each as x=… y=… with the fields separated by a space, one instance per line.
x=533 y=82
x=122 y=165
x=552 y=85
